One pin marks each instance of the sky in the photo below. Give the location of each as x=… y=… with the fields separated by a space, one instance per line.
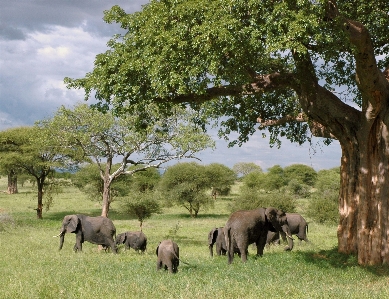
x=44 y=41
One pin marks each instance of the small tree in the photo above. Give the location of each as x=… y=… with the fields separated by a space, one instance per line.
x=301 y=173
x=243 y=168
x=275 y=178
x=222 y=178
x=186 y=185
x=29 y=149
x=141 y=205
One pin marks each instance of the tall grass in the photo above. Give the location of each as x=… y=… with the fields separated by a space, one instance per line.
x=32 y=267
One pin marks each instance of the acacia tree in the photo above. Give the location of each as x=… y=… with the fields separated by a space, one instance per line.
x=299 y=68
x=186 y=184
x=244 y=168
x=28 y=150
x=144 y=140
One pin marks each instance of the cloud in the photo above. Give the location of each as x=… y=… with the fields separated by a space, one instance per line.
x=44 y=41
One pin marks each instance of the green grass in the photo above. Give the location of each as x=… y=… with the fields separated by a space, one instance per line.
x=32 y=267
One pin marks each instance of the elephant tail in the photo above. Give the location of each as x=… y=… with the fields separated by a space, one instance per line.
x=180 y=259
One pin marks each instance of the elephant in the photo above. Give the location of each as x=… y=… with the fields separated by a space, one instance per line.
x=136 y=240
x=298 y=226
x=168 y=256
x=97 y=230
x=272 y=238
x=216 y=236
x=251 y=226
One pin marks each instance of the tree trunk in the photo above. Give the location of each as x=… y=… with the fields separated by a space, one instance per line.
x=364 y=197
x=12 y=183
x=107 y=188
x=106 y=199
x=39 y=209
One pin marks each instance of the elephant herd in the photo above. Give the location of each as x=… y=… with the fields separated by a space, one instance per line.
x=101 y=231
x=260 y=226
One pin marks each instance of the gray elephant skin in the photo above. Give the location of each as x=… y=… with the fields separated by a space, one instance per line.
x=97 y=230
x=136 y=240
x=216 y=236
x=273 y=238
x=297 y=225
x=168 y=256
x=251 y=226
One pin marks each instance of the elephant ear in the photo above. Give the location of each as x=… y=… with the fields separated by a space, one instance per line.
x=73 y=223
x=273 y=215
x=123 y=238
x=212 y=236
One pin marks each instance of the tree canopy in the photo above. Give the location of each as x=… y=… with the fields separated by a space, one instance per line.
x=186 y=184
x=297 y=67
x=28 y=150
x=144 y=141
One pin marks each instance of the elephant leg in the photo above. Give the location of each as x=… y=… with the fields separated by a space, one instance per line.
x=218 y=249
x=79 y=241
x=159 y=265
x=243 y=251
x=210 y=250
x=261 y=244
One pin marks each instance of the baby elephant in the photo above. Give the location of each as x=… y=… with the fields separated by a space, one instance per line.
x=168 y=256
x=135 y=240
x=216 y=236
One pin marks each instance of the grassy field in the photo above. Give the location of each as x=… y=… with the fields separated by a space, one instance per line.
x=32 y=267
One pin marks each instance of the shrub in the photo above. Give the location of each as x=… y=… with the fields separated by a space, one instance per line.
x=252 y=199
x=297 y=189
x=323 y=208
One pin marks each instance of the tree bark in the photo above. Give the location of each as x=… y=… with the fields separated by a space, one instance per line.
x=12 y=183
x=364 y=197
x=106 y=176
x=39 y=209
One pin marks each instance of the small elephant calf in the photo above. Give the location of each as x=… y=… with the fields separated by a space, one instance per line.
x=168 y=256
x=216 y=236
x=135 y=240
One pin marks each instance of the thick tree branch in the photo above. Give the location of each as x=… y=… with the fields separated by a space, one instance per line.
x=371 y=81
x=259 y=84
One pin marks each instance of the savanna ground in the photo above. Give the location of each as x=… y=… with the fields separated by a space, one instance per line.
x=32 y=267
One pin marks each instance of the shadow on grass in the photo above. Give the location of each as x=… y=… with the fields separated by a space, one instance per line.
x=335 y=259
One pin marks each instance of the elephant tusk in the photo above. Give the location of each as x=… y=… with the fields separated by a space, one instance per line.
x=58 y=235
x=289 y=236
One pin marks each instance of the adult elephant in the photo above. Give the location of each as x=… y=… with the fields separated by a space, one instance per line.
x=136 y=240
x=168 y=256
x=251 y=226
x=97 y=230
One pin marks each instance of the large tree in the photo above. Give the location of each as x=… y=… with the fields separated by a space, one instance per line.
x=297 y=67
x=144 y=140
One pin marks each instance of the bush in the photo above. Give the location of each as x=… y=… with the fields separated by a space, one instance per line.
x=298 y=189
x=323 y=208
x=141 y=205
x=252 y=199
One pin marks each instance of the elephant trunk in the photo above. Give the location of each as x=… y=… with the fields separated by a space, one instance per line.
x=61 y=238
x=287 y=232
